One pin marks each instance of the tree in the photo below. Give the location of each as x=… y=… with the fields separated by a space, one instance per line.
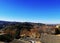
x=57 y=30
x=6 y=38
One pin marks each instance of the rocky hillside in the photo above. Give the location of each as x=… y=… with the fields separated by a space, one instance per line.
x=12 y=30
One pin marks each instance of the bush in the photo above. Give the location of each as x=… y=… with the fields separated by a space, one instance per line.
x=6 y=38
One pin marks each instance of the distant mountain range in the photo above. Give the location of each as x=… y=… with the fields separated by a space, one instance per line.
x=6 y=23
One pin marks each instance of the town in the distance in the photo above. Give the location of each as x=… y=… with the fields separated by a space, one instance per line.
x=28 y=32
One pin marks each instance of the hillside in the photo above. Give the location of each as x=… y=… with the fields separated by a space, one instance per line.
x=15 y=30
x=3 y=24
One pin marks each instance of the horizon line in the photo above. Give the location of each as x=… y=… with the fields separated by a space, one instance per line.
x=28 y=21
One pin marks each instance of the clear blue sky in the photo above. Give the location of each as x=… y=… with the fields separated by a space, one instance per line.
x=43 y=11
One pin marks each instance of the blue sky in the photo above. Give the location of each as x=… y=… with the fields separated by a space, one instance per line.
x=42 y=11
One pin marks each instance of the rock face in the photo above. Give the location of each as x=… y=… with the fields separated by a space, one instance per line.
x=46 y=38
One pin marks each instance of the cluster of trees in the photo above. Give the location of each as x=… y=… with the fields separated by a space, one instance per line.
x=13 y=31
x=6 y=38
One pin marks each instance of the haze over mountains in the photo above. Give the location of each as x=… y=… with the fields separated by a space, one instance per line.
x=6 y=23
